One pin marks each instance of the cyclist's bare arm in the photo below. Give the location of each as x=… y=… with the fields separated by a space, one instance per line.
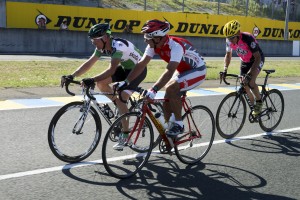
x=167 y=75
x=139 y=67
x=85 y=66
x=109 y=71
x=227 y=59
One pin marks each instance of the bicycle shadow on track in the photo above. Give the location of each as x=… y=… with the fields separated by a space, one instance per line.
x=209 y=181
x=164 y=178
x=286 y=143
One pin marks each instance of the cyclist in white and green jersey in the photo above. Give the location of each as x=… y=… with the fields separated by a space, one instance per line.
x=124 y=56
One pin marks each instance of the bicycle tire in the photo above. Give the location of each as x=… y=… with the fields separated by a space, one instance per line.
x=230 y=124
x=191 y=151
x=270 y=117
x=67 y=145
x=158 y=108
x=129 y=161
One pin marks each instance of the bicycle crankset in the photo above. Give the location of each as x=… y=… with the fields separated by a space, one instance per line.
x=163 y=148
x=253 y=119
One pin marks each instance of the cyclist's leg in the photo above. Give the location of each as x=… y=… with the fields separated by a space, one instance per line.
x=103 y=86
x=252 y=82
x=174 y=105
x=183 y=82
x=255 y=89
x=245 y=67
x=127 y=92
x=122 y=101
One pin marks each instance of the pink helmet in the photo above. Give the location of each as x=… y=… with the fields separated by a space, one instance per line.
x=155 y=28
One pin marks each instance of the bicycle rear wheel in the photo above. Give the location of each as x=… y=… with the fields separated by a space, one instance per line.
x=127 y=162
x=72 y=136
x=199 y=132
x=272 y=111
x=231 y=115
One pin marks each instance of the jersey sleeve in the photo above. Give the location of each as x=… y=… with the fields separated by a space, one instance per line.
x=228 y=48
x=97 y=53
x=176 y=52
x=251 y=42
x=149 y=51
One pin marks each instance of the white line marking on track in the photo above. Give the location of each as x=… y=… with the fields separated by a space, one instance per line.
x=84 y=164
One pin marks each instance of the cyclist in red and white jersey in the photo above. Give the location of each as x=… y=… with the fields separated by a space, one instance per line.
x=185 y=70
x=252 y=59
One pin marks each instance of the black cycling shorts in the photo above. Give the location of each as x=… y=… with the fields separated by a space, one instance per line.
x=121 y=74
x=245 y=67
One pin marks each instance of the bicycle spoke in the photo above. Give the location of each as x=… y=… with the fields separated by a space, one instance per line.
x=71 y=136
x=272 y=111
x=127 y=162
x=196 y=141
x=231 y=115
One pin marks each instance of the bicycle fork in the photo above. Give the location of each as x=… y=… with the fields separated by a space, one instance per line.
x=237 y=99
x=80 y=122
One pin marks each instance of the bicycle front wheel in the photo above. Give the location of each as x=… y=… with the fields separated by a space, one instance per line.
x=74 y=132
x=272 y=111
x=198 y=136
x=231 y=115
x=158 y=107
x=136 y=152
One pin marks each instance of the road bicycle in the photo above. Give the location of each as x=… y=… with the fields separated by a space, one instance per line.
x=231 y=113
x=190 y=147
x=75 y=130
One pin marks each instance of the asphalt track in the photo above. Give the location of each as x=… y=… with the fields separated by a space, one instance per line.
x=254 y=165
x=61 y=100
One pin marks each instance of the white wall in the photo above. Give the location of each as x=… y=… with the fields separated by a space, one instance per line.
x=296 y=48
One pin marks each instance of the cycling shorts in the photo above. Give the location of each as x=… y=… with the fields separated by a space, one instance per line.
x=121 y=74
x=191 y=78
x=245 y=67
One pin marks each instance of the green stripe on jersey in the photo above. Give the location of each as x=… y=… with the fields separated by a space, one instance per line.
x=128 y=64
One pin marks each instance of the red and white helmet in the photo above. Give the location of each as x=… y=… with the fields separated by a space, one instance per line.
x=155 y=28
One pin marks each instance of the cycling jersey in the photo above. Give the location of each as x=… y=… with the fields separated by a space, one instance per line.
x=246 y=46
x=124 y=50
x=178 y=50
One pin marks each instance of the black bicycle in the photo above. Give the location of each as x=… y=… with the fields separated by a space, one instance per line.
x=231 y=113
x=75 y=130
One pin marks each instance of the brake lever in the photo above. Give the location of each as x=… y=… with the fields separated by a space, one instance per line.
x=221 y=77
x=92 y=87
x=67 y=83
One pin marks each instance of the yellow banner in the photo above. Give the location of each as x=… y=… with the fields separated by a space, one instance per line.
x=28 y=15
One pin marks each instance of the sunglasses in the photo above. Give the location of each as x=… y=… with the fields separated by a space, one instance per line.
x=147 y=38
x=231 y=38
x=97 y=38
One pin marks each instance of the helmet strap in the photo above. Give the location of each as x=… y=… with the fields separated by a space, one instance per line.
x=104 y=43
x=155 y=43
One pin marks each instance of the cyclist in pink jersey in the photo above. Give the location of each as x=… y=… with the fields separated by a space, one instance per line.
x=252 y=59
x=185 y=69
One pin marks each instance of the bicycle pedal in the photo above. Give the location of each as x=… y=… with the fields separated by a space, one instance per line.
x=170 y=153
x=118 y=149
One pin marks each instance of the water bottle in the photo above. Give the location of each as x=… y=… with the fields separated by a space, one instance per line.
x=107 y=111
x=161 y=119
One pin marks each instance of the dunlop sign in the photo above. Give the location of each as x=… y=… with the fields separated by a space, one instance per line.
x=27 y=15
